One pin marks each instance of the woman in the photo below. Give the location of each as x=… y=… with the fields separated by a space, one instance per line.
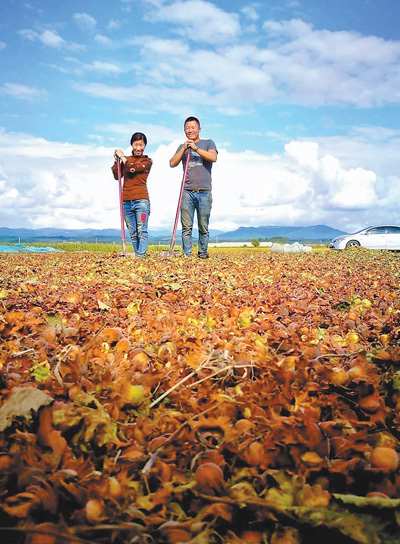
x=135 y=170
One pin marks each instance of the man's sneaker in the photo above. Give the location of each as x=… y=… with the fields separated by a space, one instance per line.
x=203 y=256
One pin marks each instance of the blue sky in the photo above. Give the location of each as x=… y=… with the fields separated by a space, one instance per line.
x=300 y=96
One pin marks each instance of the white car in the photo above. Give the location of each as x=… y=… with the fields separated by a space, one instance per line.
x=380 y=237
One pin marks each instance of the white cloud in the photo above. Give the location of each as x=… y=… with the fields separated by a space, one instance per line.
x=2 y=46
x=298 y=65
x=376 y=148
x=51 y=38
x=314 y=67
x=166 y=99
x=293 y=62
x=106 y=91
x=102 y=40
x=331 y=185
x=28 y=34
x=57 y=184
x=155 y=134
x=76 y=67
x=103 y=67
x=305 y=154
x=23 y=92
x=164 y=48
x=47 y=37
x=70 y=186
x=250 y=12
x=199 y=21
x=85 y=21
x=113 y=24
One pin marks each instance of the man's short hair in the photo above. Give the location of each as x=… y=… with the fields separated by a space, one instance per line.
x=191 y=118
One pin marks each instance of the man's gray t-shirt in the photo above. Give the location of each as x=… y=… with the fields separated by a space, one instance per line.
x=199 y=171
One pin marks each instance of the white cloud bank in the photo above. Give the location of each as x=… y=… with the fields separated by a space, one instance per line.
x=23 y=92
x=290 y=62
x=51 y=184
x=47 y=37
x=197 y=20
x=85 y=21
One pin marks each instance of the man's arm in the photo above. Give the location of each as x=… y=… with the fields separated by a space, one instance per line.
x=209 y=155
x=176 y=159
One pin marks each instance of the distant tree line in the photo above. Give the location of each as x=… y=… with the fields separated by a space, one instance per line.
x=277 y=239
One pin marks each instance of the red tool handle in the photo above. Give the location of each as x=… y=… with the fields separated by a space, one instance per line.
x=171 y=246
x=121 y=208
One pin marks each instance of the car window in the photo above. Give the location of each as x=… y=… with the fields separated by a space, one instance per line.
x=393 y=230
x=376 y=230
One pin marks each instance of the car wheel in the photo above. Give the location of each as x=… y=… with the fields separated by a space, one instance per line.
x=352 y=243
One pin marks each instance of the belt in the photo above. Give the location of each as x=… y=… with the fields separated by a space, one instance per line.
x=198 y=190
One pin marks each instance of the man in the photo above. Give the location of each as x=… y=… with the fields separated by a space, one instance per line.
x=197 y=193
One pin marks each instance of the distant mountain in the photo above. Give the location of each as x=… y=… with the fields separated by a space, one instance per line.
x=53 y=233
x=242 y=234
x=315 y=233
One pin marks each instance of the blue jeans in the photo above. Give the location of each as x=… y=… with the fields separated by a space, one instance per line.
x=136 y=215
x=201 y=202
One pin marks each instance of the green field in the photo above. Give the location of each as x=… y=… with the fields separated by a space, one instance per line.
x=110 y=248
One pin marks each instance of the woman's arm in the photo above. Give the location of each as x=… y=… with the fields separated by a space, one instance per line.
x=119 y=154
x=138 y=164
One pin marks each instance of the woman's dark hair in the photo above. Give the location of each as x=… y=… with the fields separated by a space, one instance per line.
x=138 y=136
x=191 y=118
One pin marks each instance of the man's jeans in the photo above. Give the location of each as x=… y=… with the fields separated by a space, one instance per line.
x=136 y=214
x=201 y=202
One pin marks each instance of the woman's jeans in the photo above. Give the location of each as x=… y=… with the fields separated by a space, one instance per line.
x=136 y=215
x=201 y=202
